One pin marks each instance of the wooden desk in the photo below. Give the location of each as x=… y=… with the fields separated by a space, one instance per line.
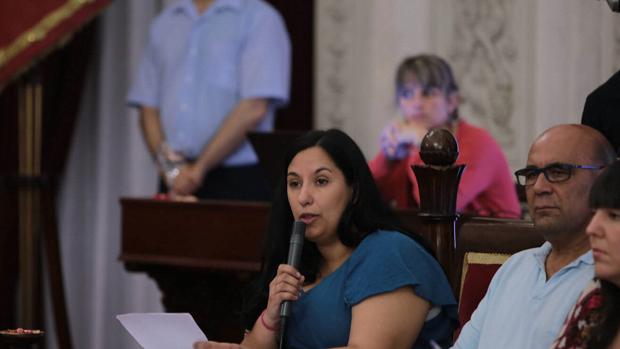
x=202 y=255
x=210 y=235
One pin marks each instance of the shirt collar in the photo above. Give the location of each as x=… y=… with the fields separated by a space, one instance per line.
x=187 y=6
x=183 y=6
x=540 y=253
x=231 y=4
x=543 y=251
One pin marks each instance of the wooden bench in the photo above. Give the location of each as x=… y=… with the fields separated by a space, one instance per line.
x=483 y=245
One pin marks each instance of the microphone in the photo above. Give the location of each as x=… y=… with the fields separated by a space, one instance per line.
x=294 y=256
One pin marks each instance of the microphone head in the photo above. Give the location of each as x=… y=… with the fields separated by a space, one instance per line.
x=294 y=257
x=296 y=243
x=299 y=230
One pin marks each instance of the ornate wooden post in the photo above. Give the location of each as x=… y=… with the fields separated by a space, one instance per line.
x=29 y=138
x=438 y=183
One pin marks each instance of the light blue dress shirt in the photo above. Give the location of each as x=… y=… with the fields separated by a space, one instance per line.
x=522 y=309
x=196 y=68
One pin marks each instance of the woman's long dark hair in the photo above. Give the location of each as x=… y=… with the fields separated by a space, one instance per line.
x=605 y=193
x=364 y=214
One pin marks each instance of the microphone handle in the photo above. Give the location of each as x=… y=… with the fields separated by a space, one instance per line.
x=294 y=257
x=293 y=260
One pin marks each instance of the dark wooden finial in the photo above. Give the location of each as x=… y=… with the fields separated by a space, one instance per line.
x=438 y=183
x=439 y=148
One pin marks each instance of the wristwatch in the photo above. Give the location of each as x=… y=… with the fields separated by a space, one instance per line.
x=169 y=163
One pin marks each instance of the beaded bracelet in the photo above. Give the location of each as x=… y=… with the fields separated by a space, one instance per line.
x=262 y=321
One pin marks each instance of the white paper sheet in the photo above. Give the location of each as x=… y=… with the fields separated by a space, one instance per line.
x=162 y=330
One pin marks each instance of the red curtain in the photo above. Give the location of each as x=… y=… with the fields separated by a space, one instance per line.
x=51 y=42
x=29 y=29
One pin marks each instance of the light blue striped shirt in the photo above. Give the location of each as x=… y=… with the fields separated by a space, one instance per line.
x=522 y=309
x=196 y=68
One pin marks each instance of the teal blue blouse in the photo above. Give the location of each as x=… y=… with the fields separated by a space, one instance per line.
x=383 y=262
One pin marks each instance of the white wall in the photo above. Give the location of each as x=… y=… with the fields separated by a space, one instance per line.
x=522 y=66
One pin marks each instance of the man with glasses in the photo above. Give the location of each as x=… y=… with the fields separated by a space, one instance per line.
x=530 y=295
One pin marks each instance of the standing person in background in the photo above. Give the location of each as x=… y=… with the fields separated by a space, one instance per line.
x=427 y=97
x=212 y=71
x=602 y=110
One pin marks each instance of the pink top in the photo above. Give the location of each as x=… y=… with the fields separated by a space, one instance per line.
x=486 y=187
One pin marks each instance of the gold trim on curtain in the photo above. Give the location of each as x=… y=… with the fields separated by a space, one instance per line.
x=39 y=31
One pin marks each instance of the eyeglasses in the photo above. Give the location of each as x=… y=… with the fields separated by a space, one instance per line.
x=554 y=173
x=407 y=92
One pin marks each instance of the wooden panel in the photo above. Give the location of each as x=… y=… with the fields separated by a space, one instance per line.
x=497 y=235
x=211 y=234
x=221 y=235
x=299 y=19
